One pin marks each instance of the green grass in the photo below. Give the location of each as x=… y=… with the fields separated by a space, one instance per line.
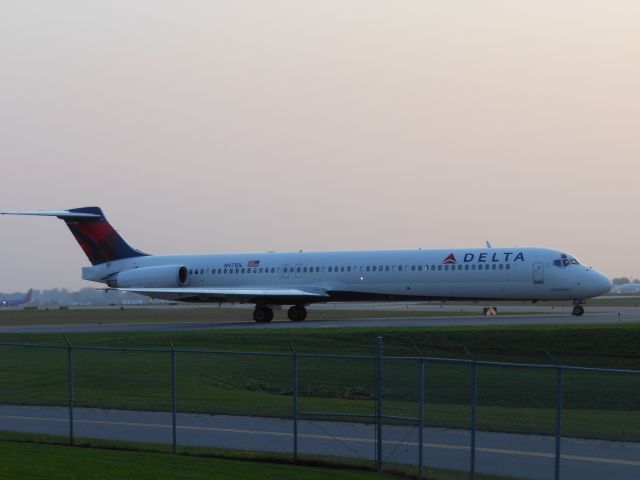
x=510 y=399
x=104 y=459
x=203 y=315
x=59 y=462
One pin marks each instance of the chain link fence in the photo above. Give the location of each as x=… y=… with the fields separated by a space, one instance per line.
x=413 y=414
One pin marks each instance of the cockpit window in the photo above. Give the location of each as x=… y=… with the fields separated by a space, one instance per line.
x=565 y=260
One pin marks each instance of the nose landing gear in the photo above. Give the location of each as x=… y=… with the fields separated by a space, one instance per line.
x=578 y=309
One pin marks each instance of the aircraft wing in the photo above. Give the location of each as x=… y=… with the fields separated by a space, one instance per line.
x=241 y=295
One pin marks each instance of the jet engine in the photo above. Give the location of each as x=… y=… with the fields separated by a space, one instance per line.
x=165 y=276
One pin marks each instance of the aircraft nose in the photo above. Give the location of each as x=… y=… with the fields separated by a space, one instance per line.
x=602 y=284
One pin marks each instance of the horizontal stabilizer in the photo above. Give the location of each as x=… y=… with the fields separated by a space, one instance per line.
x=63 y=214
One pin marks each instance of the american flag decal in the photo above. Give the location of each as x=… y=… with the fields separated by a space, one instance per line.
x=449 y=260
x=253 y=263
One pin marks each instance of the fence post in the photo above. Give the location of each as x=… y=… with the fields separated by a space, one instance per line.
x=559 y=395
x=474 y=405
x=173 y=398
x=294 y=406
x=379 y=392
x=420 y=416
x=70 y=387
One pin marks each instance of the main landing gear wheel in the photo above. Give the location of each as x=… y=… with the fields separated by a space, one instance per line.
x=577 y=310
x=263 y=314
x=297 y=313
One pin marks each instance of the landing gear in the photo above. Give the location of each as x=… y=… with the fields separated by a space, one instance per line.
x=262 y=314
x=577 y=310
x=297 y=313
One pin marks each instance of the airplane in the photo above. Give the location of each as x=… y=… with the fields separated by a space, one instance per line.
x=16 y=301
x=298 y=279
x=627 y=288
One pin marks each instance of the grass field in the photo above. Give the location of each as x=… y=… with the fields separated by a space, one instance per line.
x=205 y=315
x=97 y=459
x=59 y=462
x=510 y=399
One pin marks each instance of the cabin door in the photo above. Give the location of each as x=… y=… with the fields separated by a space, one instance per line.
x=538 y=273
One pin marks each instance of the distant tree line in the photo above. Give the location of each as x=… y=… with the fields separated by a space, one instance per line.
x=624 y=280
x=86 y=296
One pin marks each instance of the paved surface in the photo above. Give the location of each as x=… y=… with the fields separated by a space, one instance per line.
x=526 y=456
x=541 y=315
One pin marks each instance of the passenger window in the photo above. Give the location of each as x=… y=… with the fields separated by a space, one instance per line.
x=439 y=267
x=508 y=266
x=493 y=267
x=298 y=269
x=368 y=268
x=242 y=271
x=466 y=267
x=386 y=269
x=413 y=268
x=330 y=269
x=501 y=267
x=348 y=269
x=342 y=269
x=375 y=268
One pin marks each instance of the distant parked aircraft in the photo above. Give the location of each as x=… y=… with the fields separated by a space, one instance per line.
x=301 y=278
x=16 y=301
x=627 y=288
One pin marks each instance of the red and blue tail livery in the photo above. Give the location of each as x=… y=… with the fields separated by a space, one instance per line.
x=98 y=239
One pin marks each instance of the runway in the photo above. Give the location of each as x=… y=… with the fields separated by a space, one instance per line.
x=531 y=456
x=526 y=315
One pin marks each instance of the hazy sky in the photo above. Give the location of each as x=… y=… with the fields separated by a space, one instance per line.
x=237 y=125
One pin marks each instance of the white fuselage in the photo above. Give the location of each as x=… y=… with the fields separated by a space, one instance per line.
x=479 y=274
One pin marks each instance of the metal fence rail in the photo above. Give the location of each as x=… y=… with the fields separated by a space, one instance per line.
x=401 y=395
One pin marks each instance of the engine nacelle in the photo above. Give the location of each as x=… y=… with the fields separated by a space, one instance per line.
x=165 y=276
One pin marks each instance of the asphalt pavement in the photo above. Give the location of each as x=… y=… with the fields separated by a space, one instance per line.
x=520 y=315
x=524 y=456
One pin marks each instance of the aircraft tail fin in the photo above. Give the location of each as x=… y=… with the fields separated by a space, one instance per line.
x=28 y=296
x=97 y=238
